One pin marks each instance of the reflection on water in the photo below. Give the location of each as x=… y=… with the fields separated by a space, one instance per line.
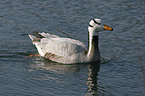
x=93 y=68
x=93 y=88
x=55 y=67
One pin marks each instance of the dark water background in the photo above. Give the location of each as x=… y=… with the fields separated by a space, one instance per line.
x=123 y=50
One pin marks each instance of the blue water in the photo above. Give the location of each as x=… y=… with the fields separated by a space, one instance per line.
x=121 y=71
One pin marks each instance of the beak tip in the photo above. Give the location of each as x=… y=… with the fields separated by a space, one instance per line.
x=112 y=29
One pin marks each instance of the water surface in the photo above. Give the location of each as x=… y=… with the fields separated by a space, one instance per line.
x=122 y=51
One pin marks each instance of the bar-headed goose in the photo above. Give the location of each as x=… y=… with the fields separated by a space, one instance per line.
x=68 y=51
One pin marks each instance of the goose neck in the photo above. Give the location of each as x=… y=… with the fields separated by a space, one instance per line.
x=93 y=49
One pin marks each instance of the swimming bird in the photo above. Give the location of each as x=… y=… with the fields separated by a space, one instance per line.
x=67 y=50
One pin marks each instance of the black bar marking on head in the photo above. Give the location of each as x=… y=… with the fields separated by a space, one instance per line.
x=90 y=25
x=96 y=22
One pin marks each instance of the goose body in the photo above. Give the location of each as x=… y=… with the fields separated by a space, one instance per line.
x=66 y=50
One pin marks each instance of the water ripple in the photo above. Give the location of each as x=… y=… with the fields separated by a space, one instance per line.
x=120 y=72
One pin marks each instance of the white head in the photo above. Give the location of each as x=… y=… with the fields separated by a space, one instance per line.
x=95 y=27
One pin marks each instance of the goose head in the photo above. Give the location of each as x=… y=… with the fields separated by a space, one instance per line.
x=95 y=27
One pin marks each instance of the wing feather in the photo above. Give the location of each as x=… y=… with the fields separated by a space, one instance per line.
x=56 y=45
x=63 y=46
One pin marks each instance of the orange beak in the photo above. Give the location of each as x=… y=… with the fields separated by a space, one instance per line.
x=107 y=28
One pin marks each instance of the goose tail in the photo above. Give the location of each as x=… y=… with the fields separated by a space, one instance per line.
x=36 y=37
x=35 y=33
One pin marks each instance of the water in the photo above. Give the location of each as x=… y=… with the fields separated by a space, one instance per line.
x=123 y=53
